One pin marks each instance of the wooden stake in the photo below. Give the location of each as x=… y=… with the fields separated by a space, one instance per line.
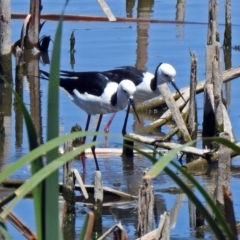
x=227 y=42
x=223 y=176
x=68 y=220
x=192 y=117
x=145 y=207
x=98 y=196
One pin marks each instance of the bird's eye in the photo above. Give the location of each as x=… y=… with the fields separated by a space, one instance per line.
x=125 y=91
x=165 y=75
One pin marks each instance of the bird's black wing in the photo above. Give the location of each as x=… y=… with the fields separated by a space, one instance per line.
x=85 y=82
x=125 y=72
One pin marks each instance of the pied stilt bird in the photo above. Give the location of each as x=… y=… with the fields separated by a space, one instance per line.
x=146 y=82
x=95 y=94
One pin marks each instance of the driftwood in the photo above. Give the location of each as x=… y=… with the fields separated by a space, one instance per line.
x=170 y=145
x=163 y=230
x=20 y=226
x=118 y=227
x=166 y=116
x=13 y=183
x=163 y=88
x=206 y=155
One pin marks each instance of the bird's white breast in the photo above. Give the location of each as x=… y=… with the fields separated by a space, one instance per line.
x=92 y=104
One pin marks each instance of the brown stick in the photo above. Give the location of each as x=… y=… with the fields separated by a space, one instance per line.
x=229 y=211
x=20 y=226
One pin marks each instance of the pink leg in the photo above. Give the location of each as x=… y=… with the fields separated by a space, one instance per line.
x=83 y=157
x=106 y=129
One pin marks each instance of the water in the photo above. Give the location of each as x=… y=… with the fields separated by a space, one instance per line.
x=105 y=45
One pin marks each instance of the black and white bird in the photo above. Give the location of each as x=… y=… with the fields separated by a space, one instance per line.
x=95 y=94
x=146 y=82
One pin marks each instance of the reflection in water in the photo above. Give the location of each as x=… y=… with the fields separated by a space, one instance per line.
x=5 y=108
x=180 y=16
x=129 y=8
x=144 y=10
x=72 y=49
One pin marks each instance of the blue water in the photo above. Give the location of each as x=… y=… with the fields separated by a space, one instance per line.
x=105 y=45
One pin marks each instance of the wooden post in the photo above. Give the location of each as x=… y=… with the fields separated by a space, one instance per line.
x=145 y=208
x=223 y=176
x=98 y=201
x=212 y=35
x=35 y=94
x=192 y=117
x=5 y=41
x=217 y=84
x=19 y=73
x=32 y=36
x=209 y=123
x=227 y=47
x=68 y=222
x=227 y=42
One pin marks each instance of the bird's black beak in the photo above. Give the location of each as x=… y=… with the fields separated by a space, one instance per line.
x=131 y=102
x=175 y=86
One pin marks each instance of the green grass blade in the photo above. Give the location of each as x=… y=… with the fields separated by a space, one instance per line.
x=52 y=192
x=159 y=166
x=213 y=224
x=3 y=231
x=40 y=150
x=41 y=175
x=220 y=219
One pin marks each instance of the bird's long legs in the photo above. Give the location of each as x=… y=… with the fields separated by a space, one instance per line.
x=94 y=139
x=83 y=142
x=106 y=129
x=124 y=131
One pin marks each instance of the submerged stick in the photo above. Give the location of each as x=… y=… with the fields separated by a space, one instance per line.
x=20 y=226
